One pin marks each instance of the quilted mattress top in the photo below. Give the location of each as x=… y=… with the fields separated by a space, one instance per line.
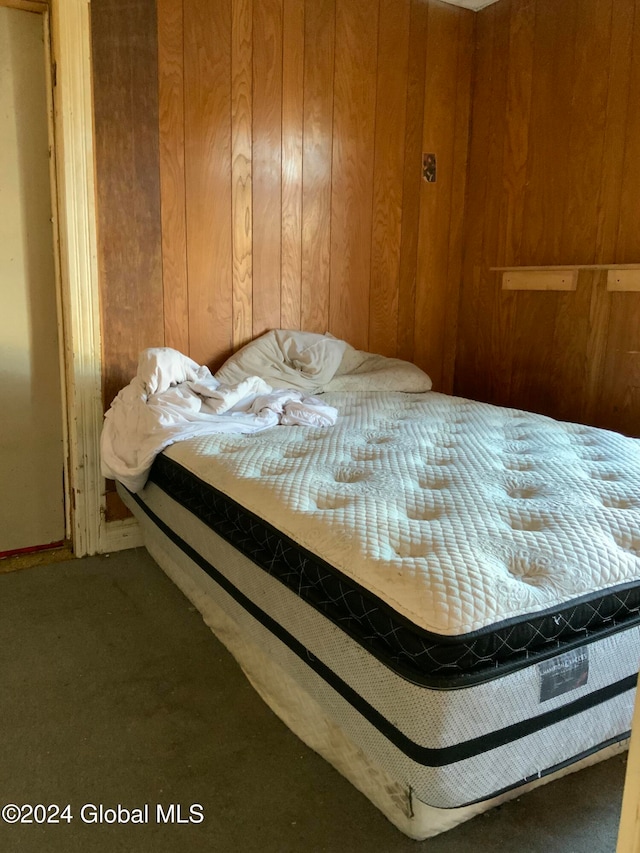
x=458 y=514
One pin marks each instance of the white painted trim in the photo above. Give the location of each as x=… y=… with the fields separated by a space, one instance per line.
x=120 y=535
x=53 y=181
x=80 y=293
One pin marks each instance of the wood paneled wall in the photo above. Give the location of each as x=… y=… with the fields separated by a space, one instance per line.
x=125 y=93
x=291 y=140
x=554 y=178
x=258 y=164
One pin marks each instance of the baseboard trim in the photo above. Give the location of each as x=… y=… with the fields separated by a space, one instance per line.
x=120 y=535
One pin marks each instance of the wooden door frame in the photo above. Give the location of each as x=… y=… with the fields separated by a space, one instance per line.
x=69 y=94
x=68 y=37
x=79 y=292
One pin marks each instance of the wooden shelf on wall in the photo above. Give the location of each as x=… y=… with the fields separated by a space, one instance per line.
x=620 y=277
x=624 y=279
x=539 y=279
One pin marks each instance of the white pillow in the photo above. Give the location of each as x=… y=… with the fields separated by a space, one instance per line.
x=286 y=359
x=315 y=363
x=363 y=371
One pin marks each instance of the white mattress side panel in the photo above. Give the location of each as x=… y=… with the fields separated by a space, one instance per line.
x=435 y=718
x=310 y=722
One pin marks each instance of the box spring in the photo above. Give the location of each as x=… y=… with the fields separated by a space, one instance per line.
x=429 y=747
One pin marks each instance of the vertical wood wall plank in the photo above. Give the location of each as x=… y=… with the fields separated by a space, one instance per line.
x=124 y=46
x=208 y=177
x=267 y=164
x=551 y=114
x=392 y=61
x=535 y=362
x=172 y=174
x=458 y=196
x=628 y=244
x=292 y=126
x=472 y=350
x=433 y=242
x=617 y=114
x=586 y=139
x=516 y=146
x=319 y=60
x=620 y=391
x=125 y=62
x=491 y=294
x=533 y=350
x=598 y=401
x=599 y=310
x=414 y=120
x=515 y=155
x=352 y=168
x=241 y=159
x=571 y=367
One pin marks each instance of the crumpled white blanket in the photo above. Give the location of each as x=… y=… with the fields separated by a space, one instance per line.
x=172 y=398
x=293 y=408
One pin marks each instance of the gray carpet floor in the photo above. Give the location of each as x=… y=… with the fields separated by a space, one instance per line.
x=114 y=691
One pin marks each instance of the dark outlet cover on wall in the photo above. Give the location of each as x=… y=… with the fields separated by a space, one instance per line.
x=429 y=168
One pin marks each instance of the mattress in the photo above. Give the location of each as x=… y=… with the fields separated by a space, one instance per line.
x=452 y=586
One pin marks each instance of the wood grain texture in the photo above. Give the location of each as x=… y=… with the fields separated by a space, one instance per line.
x=565 y=193
x=414 y=120
x=617 y=111
x=540 y=280
x=389 y=153
x=125 y=73
x=490 y=296
x=125 y=63
x=628 y=243
x=466 y=35
x=599 y=312
x=267 y=164
x=619 y=401
x=319 y=59
x=533 y=354
x=172 y=175
x=551 y=116
x=572 y=330
x=208 y=178
x=292 y=135
x=622 y=280
x=519 y=83
x=472 y=346
x=241 y=165
x=516 y=142
x=587 y=131
x=291 y=139
x=432 y=289
x=352 y=168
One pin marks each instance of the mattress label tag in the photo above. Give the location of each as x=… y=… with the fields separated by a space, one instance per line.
x=563 y=673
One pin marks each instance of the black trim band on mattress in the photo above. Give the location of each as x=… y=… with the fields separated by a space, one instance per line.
x=427 y=756
x=426 y=658
x=549 y=771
